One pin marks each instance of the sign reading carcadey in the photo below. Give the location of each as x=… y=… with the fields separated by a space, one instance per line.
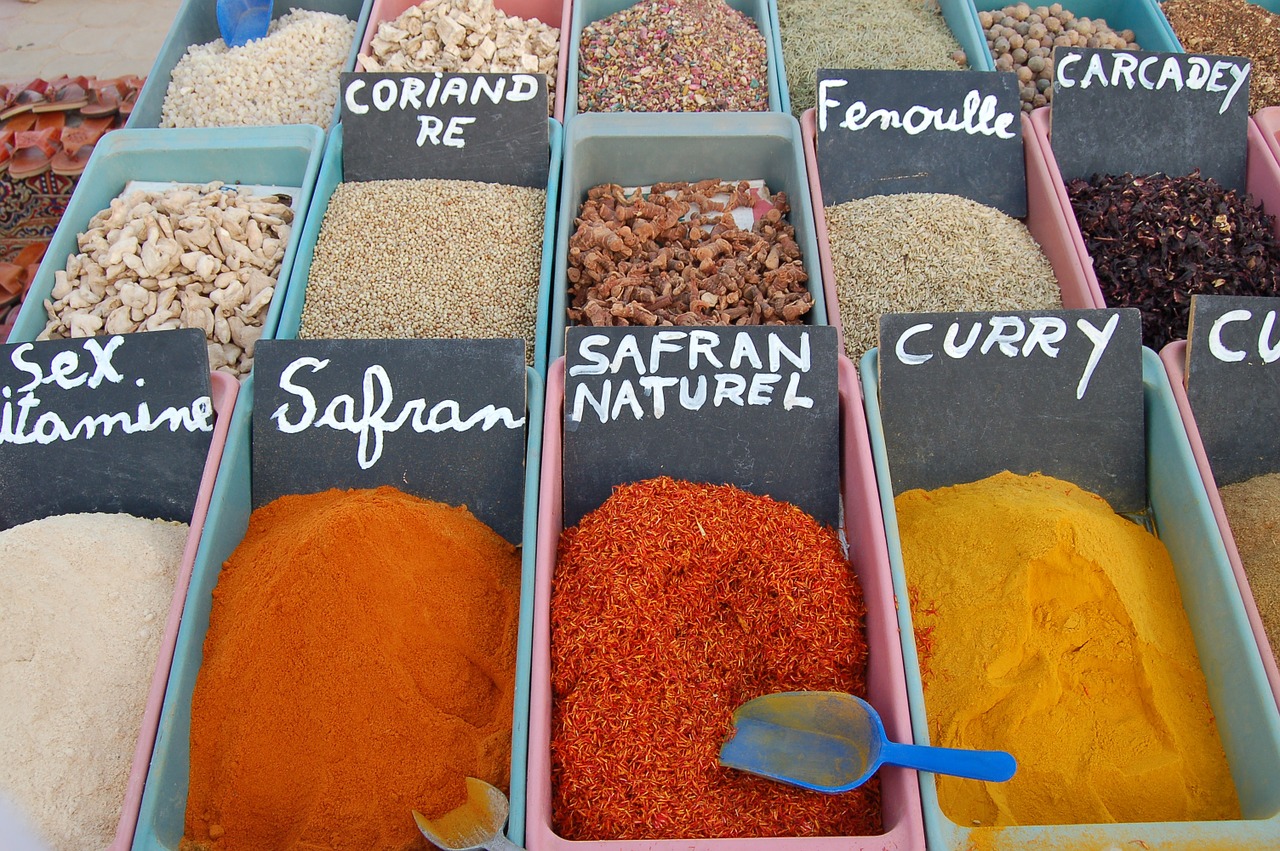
x=444 y=420
x=1118 y=111
x=113 y=424
x=451 y=126
x=1233 y=383
x=964 y=396
x=893 y=132
x=754 y=407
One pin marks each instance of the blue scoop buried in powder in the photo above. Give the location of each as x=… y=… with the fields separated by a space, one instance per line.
x=834 y=742
x=242 y=21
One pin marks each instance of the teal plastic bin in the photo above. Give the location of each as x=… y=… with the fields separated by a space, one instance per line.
x=164 y=801
x=275 y=156
x=588 y=11
x=196 y=23
x=331 y=176
x=961 y=19
x=1239 y=693
x=1150 y=27
x=638 y=149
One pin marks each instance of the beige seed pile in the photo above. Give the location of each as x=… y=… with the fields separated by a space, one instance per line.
x=464 y=35
x=432 y=259
x=900 y=35
x=928 y=253
x=288 y=77
x=1253 y=510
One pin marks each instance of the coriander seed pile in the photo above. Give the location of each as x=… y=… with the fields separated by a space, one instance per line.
x=427 y=259
x=673 y=56
x=288 y=77
x=868 y=34
x=930 y=253
x=464 y=35
x=1021 y=39
x=705 y=253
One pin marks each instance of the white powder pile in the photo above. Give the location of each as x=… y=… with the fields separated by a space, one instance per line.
x=288 y=77
x=83 y=601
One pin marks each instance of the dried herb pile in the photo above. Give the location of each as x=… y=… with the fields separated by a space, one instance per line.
x=673 y=604
x=677 y=256
x=1233 y=28
x=1157 y=240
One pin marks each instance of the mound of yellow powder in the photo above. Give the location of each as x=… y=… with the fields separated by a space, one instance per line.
x=1052 y=628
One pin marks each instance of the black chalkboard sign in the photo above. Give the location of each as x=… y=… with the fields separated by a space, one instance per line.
x=486 y=127
x=893 y=132
x=113 y=424
x=1117 y=111
x=1233 y=383
x=752 y=407
x=964 y=396
x=441 y=419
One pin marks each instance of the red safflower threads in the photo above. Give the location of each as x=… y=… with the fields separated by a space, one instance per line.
x=673 y=604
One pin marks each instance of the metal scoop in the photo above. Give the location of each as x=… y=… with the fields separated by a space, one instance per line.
x=242 y=21
x=834 y=742
x=476 y=824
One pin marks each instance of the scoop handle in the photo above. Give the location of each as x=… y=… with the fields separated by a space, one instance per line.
x=500 y=843
x=996 y=766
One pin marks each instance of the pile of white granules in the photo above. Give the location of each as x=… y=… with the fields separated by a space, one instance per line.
x=288 y=77
x=83 y=603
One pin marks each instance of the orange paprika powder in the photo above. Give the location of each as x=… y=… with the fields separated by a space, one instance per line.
x=360 y=662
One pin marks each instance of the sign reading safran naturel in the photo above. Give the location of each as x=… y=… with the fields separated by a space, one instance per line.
x=455 y=126
x=966 y=395
x=893 y=132
x=110 y=424
x=1233 y=383
x=1118 y=111
x=753 y=407
x=440 y=419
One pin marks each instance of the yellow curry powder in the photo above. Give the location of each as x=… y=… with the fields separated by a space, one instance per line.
x=1052 y=628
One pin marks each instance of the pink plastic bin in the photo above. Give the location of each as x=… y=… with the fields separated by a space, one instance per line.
x=1174 y=356
x=225 y=389
x=556 y=13
x=1262 y=180
x=1044 y=220
x=1268 y=121
x=868 y=552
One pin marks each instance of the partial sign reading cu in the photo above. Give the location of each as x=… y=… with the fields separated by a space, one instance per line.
x=104 y=424
x=441 y=419
x=457 y=126
x=753 y=407
x=891 y=132
x=1118 y=111
x=1233 y=383
x=966 y=395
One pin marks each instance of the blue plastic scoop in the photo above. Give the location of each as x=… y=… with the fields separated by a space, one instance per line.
x=242 y=21
x=834 y=742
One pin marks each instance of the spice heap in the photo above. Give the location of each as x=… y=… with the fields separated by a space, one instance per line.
x=1053 y=628
x=673 y=56
x=202 y=257
x=1253 y=510
x=1233 y=28
x=1021 y=39
x=288 y=77
x=900 y=35
x=673 y=604
x=925 y=253
x=1156 y=241
x=427 y=258
x=464 y=35
x=707 y=253
x=359 y=664
x=83 y=600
